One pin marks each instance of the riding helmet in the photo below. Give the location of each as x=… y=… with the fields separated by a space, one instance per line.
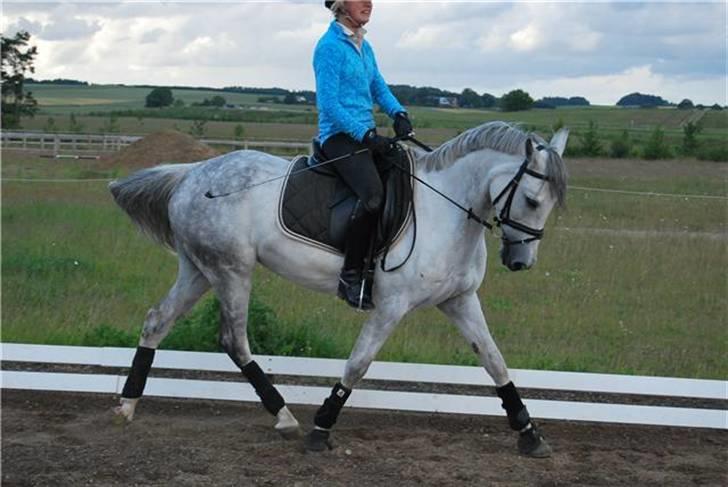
x=328 y=4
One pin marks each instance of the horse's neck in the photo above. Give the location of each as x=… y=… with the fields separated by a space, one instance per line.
x=469 y=179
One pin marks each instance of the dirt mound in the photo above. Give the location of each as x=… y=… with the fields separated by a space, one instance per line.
x=164 y=147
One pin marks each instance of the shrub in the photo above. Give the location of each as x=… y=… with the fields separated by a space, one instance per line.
x=621 y=147
x=690 y=138
x=50 y=125
x=590 y=144
x=74 y=125
x=197 y=129
x=718 y=153
x=199 y=332
x=239 y=131
x=656 y=147
x=107 y=336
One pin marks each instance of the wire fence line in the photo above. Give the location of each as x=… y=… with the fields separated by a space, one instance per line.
x=649 y=193
x=578 y=188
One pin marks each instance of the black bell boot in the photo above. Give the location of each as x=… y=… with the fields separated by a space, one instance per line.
x=355 y=290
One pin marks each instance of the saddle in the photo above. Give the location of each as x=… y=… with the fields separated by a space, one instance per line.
x=315 y=204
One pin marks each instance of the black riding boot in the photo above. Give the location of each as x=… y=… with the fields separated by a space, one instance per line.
x=355 y=281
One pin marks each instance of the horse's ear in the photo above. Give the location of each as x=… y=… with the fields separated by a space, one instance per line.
x=558 y=141
x=529 y=148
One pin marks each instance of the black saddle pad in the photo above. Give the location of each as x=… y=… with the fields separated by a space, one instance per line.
x=315 y=200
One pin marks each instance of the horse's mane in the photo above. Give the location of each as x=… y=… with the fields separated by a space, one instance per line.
x=498 y=136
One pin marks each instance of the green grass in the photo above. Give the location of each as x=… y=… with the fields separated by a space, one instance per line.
x=297 y=122
x=65 y=99
x=75 y=271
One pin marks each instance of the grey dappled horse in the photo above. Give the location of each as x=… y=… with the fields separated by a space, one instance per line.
x=494 y=167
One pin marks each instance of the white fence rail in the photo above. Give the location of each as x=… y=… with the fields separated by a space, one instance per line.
x=367 y=398
x=106 y=143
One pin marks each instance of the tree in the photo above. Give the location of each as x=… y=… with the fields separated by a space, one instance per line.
x=470 y=99
x=159 y=97
x=516 y=100
x=685 y=105
x=239 y=131
x=290 y=99
x=17 y=59
x=640 y=100
x=488 y=101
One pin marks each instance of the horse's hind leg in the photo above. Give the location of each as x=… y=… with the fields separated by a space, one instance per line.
x=233 y=289
x=466 y=313
x=188 y=288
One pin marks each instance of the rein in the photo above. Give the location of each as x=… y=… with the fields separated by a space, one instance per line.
x=504 y=217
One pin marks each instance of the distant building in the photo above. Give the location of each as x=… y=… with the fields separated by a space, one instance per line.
x=447 y=102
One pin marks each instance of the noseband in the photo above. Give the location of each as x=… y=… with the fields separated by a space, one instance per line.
x=504 y=217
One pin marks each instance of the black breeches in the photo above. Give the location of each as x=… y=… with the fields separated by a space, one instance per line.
x=360 y=173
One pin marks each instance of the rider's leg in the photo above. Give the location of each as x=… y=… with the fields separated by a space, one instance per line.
x=360 y=174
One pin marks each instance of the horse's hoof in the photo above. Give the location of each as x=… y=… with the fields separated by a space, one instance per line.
x=532 y=444
x=118 y=418
x=289 y=433
x=287 y=426
x=124 y=412
x=317 y=440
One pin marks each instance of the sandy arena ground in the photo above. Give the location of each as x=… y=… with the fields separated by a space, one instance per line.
x=59 y=439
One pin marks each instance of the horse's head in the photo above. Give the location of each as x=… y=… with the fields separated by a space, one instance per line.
x=522 y=202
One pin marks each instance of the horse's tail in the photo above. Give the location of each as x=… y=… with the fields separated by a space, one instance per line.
x=145 y=196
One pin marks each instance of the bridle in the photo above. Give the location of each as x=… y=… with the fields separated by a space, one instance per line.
x=504 y=217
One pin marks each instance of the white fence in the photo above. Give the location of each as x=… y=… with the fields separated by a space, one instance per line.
x=98 y=143
x=375 y=399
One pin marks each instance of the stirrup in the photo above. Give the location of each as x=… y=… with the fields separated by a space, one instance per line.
x=355 y=293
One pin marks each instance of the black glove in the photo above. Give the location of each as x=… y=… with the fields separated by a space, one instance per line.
x=376 y=143
x=402 y=124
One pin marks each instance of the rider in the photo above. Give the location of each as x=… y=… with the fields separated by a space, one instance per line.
x=348 y=82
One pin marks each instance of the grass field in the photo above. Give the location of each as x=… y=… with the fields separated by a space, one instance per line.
x=65 y=99
x=625 y=283
x=295 y=122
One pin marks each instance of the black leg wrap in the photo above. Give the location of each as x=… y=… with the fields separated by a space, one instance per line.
x=137 y=379
x=329 y=411
x=518 y=416
x=269 y=395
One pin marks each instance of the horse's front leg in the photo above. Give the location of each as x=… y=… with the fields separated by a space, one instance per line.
x=466 y=313
x=374 y=333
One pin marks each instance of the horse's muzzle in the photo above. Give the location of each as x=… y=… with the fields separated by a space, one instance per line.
x=516 y=258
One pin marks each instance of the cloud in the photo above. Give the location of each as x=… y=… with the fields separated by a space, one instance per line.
x=559 y=48
x=526 y=39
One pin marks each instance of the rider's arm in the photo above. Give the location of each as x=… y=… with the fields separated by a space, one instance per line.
x=382 y=94
x=327 y=63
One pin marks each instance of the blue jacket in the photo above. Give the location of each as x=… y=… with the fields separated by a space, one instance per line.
x=348 y=83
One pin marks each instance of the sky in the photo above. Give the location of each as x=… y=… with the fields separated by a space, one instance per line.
x=601 y=51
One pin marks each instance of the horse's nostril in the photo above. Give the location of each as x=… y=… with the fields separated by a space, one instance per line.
x=517 y=266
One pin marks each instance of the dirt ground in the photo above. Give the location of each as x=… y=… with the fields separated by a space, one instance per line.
x=69 y=439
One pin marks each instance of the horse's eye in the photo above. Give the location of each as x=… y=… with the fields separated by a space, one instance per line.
x=532 y=202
